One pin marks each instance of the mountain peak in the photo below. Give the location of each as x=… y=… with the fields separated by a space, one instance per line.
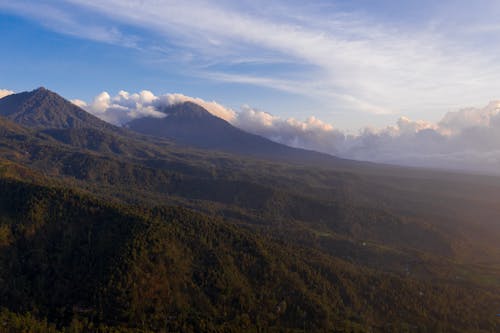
x=188 y=110
x=42 y=108
x=43 y=92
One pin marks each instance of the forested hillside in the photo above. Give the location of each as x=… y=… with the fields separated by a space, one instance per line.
x=67 y=257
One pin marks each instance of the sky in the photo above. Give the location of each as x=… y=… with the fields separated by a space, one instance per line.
x=363 y=79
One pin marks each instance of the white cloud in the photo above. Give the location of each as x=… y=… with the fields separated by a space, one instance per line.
x=469 y=117
x=5 y=92
x=311 y=133
x=123 y=107
x=468 y=139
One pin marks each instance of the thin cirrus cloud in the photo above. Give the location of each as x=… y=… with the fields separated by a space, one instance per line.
x=361 y=64
x=62 y=19
x=349 y=60
x=467 y=139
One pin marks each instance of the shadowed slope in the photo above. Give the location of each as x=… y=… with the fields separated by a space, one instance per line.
x=42 y=108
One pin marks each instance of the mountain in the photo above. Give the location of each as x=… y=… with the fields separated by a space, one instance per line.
x=42 y=108
x=48 y=116
x=185 y=124
x=190 y=124
x=107 y=230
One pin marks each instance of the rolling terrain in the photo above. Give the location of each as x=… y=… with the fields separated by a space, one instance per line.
x=106 y=229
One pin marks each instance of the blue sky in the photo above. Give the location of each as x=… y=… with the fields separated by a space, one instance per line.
x=349 y=63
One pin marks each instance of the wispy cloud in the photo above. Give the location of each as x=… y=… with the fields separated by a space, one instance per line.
x=307 y=88
x=379 y=68
x=63 y=20
x=348 y=60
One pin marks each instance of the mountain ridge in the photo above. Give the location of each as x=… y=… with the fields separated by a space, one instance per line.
x=187 y=124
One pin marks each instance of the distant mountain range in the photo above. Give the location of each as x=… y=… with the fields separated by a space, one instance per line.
x=186 y=223
x=185 y=123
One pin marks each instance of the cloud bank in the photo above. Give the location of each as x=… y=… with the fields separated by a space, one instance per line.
x=468 y=139
x=124 y=106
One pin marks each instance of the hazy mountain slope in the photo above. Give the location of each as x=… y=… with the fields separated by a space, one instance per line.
x=191 y=124
x=65 y=255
